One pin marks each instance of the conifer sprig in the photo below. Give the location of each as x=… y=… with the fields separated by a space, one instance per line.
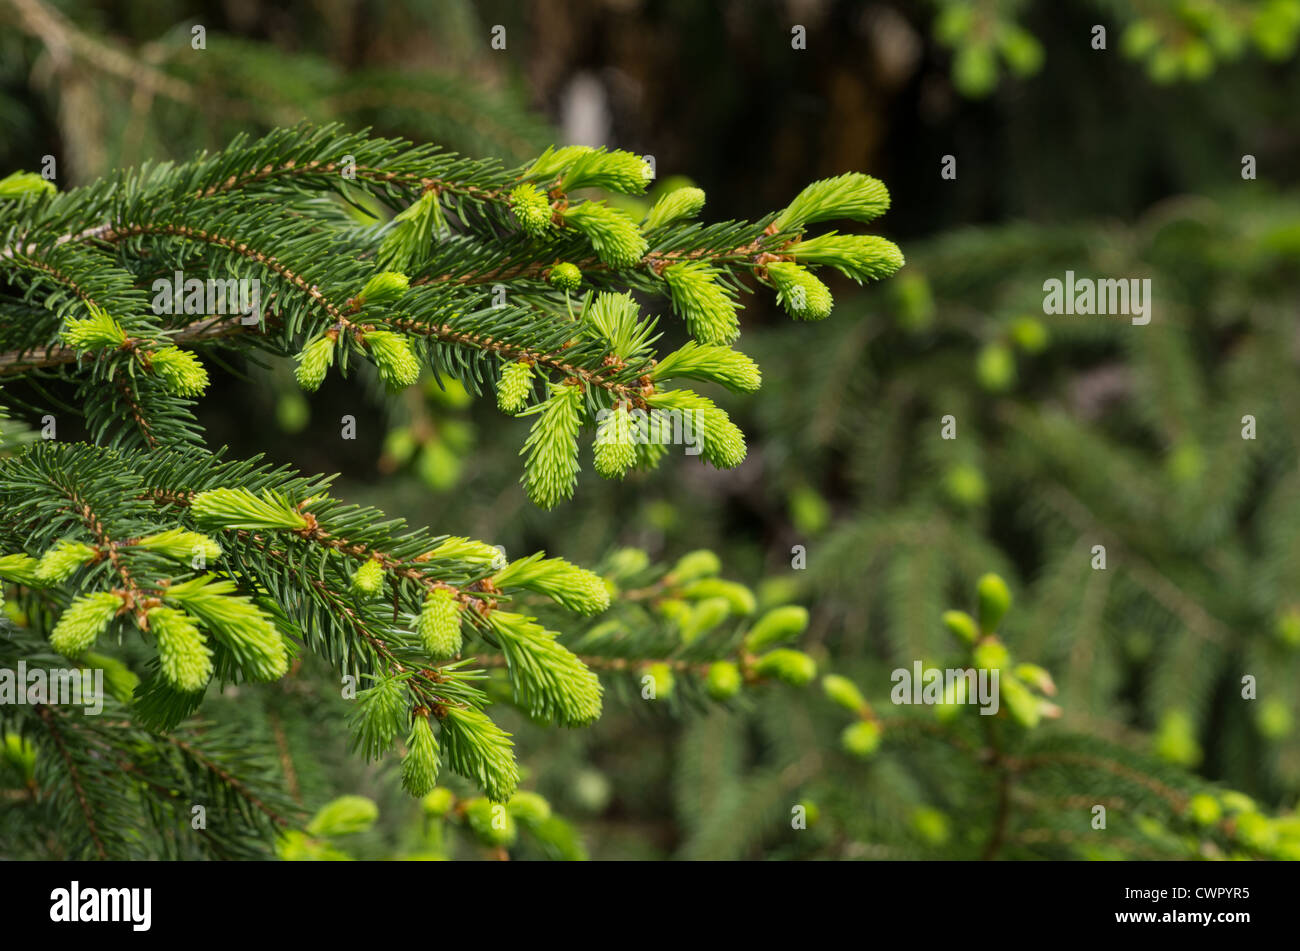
x=409 y=295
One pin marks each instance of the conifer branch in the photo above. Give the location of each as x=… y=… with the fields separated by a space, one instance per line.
x=230 y=569
x=74 y=776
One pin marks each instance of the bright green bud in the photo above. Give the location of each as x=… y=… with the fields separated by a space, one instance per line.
x=439 y=624
x=704 y=617
x=777 y=625
x=616 y=171
x=314 y=361
x=438 y=802
x=614 y=452
x=294 y=845
x=236 y=621
x=679 y=612
x=437 y=465
x=1020 y=703
x=799 y=292
x=400 y=445
x=410 y=234
x=739 y=599
x=965 y=485
x=392 y=354
x=1236 y=802
x=565 y=276
x=696 y=564
x=17 y=184
x=723 y=681
x=346 y=815
x=913 y=302
x=529 y=808
x=975 y=70
x=468 y=550
x=181 y=545
x=931 y=826
x=675 y=205
x=554 y=161
x=83 y=621
x=961 y=625
x=793 y=667
x=62 y=560
x=990 y=654
x=491 y=822
x=578 y=589
x=854 y=195
x=955 y=700
x=368 y=579
x=994 y=600
x=1255 y=830
x=809 y=510
x=778 y=589
x=550 y=682
x=179 y=370
x=1287 y=628
x=614 y=320
x=420 y=763
x=385 y=286
x=664 y=681
x=702 y=301
x=711 y=362
x=21 y=569
x=1140 y=38
x=844 y=692
x=723 y=444
x=1029 y=334
x=1198 y=58
x=20 y=754
x=1020 y=49
x=119 y=680
x=1175 y=740
x=378 y=716
x=624 y=563
x=551 y=449
x=612 y=233
x=1037 y=678
x=1204 y=810
x=1273 y=718
x=1186 y=463
x=532 y=209
x=183 y=653
x=95 y=332
x=995 y=367
x=861 y=739
x=240 y=508
x=862 y=257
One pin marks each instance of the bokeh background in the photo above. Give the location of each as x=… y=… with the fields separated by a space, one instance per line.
x=1125 y=162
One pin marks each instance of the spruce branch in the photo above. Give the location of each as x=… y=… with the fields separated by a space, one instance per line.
x=232 y=572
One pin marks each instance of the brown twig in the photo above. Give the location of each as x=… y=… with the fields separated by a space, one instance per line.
x=47 y=715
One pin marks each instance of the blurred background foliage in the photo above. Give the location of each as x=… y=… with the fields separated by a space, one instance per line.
x=1122 y=161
